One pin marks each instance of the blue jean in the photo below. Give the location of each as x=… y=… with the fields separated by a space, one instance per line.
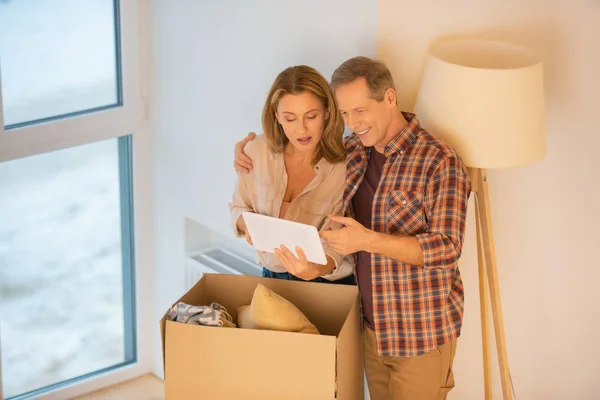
x=349 y=280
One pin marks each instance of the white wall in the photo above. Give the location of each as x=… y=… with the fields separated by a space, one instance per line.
x=213 y=63
x=545 y=216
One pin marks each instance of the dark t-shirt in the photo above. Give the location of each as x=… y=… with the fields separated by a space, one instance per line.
x=363 y=205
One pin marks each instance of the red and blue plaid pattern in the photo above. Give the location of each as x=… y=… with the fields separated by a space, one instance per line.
x=423 y=192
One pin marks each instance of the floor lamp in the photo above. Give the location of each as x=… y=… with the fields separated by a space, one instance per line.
x=486 y=99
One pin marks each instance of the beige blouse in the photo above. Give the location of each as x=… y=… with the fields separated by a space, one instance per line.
x=262 y=191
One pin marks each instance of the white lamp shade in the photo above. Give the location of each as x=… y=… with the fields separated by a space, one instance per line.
x=485 y=99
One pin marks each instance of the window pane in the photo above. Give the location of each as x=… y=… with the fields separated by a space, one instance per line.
x=65 y=267
x=56 y=57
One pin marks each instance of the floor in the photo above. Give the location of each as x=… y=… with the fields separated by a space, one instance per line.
x=147 y=387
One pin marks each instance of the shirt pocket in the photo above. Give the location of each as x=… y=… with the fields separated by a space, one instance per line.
x=314 y=212
x=262 y=195
x=405 y=212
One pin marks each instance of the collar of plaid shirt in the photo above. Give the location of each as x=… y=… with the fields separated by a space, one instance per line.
x=423 y=192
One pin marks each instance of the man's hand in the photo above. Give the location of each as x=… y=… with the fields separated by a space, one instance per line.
x=350 y=239
x=242 y=163
x=297 y=266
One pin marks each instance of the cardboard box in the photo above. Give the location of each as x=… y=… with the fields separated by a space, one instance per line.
x=215 y=363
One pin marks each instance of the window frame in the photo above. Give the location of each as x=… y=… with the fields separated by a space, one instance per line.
x=127 y=123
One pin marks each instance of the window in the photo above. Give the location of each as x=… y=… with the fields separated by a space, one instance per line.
x=65 y=265
x=70 y=112
x=58 y=58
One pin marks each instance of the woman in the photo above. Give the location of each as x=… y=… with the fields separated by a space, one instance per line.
x=299 y=172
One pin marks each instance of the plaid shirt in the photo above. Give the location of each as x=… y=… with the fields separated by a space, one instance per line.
x=423 y=192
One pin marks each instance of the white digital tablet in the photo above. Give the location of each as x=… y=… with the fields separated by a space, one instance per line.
x=268 y=233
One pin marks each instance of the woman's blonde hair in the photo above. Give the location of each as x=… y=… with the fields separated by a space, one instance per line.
x=304 y=79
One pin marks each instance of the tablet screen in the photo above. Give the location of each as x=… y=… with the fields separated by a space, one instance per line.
x=268 y=233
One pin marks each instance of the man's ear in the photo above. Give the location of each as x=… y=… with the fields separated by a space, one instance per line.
x=390 y=97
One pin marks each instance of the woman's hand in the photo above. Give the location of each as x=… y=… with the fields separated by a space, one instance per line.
x=241 y=227
x=297 y=266
x=248 y=239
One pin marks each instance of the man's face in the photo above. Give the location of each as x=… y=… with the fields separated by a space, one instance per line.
x=364 y=115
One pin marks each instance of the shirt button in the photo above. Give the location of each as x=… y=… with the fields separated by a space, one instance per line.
x=404 y=202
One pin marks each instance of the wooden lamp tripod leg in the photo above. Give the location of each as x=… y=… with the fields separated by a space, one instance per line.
x=486 y=246
x=484 y=307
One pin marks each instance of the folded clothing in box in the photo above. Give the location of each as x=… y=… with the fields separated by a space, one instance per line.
x=213 y=315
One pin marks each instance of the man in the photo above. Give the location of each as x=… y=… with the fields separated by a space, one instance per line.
x=405 y=206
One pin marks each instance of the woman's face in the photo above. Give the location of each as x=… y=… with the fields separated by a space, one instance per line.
x=302 y=117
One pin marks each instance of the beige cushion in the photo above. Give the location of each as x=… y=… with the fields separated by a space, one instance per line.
x=270 y=311
x=244 y=317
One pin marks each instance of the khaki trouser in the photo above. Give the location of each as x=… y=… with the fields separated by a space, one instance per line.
x=426 y=377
